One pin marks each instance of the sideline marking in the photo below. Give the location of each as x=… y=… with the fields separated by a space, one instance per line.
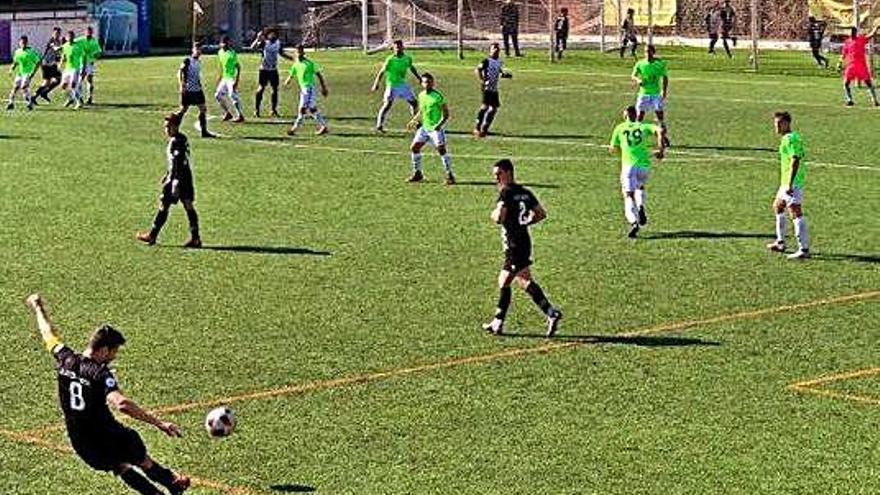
x=814 y=386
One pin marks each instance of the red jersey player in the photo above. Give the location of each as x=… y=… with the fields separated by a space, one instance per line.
x=854 y=57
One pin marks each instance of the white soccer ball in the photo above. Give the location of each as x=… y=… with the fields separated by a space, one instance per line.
x=220 y=422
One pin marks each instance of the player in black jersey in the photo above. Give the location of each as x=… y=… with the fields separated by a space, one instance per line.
x=85 y=388
x=177 y=185
x=516 y=211
x=816 y=33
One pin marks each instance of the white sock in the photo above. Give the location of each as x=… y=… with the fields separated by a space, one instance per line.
x=319 y=118
x=417 y=162
x=640 y=198
x=447 y=163
x=780 y=227
x=27 y=95
x=236 y=100
x=630 y=210
x=223 y=104
x=299 y=120
x=800 y=230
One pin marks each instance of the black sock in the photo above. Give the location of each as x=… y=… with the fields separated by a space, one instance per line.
x=275 y=101
x=259 y=100
x=534 y=290
x=727 y=48
x=51 y=87
x=480 y=114
x=159 y=221
x=203 y=122
x=504 y=295
x=489 y=119
x=137 y=482
x=161 y=475
x=193 y=218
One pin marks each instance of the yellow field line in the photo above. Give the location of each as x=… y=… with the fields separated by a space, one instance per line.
x=849 y=375
x=372 y=377
x=836 y=395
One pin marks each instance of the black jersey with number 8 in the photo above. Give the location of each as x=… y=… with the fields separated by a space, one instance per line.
x=83 y=386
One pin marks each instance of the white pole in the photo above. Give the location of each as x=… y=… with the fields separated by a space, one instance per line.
x=856 y=17
x=412 y=28
x=365 y=34
x=650 y=22
x=389 y=32
x=550 y=19
x=602 y=26
x=755 y=33
x=460 y=28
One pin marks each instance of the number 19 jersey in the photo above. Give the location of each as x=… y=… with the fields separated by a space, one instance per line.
x=83 y=386
x=634 y=141
x=519 y=203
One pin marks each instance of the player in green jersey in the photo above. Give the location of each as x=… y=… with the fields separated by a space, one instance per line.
x=430 y=121
x=793 y=172
x=25 y=62
x=395 y=69
x=632 y=139
x=306 y=73
x=72 y=56
x=651 y=77
x=227 y=83
x=91 y=52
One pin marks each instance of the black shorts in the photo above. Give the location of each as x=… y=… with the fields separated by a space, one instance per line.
x=50 y=72
x=192 y=98
x=269 y=78
x=186 y=191
x=106 y=450
x=517 y=260
x=491 y=98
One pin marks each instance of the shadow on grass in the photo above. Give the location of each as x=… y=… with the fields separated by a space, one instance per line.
x=267 y=250
x=292 y=488
x=488 y=183
x=699 y=234
x=270 y=139
x=529 y=136
x=147 y=106
x=722 y=148
x=346 y=118
x=640 y=341
x=857 y=258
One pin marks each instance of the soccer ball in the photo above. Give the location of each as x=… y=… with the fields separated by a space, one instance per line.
x=220 y=422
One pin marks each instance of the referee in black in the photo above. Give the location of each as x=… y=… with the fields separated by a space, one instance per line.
x=86 y=386
x=816 y=33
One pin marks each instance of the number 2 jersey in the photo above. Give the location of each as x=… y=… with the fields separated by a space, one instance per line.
x=83 y=386
x=519 y=203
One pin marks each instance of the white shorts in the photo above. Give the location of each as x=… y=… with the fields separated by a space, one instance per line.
x=89 y=69
x=226 y=87
x=795 y=198
x=647 y=103
x=403 y=92
x=70 y=77
x=437 y=137
x=633 y=178
x=308 y=97
x=21 y=82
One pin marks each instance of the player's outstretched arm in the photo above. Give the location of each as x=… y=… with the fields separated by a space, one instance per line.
x=323 y=84
x=665 y=87
x=44 y=323
x=414 y=121
x=446 y=115
x=130 y=408
x=257 y=41
x=415 y=72
x=377 y=79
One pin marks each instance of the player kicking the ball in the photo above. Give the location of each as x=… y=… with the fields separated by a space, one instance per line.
x=306 y=71
x=791 y=189
x=177 y=185
x=25 y=62
x=430 y=123
x=516 y=211
x=632 y=139
x=85 y=388
x=651 y=77
x=395 y=68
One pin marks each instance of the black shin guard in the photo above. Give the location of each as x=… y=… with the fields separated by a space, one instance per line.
x=534 y=290
x=159 y=221
x=193 y=218
x=161 y=475
x=203 y=122
x=258 y=101
x=490 y=117
x=504 y=296
x=275 y=101
x=138 y=483
x=480 y=114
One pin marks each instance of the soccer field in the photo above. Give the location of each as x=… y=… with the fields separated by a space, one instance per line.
x=337 y=309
